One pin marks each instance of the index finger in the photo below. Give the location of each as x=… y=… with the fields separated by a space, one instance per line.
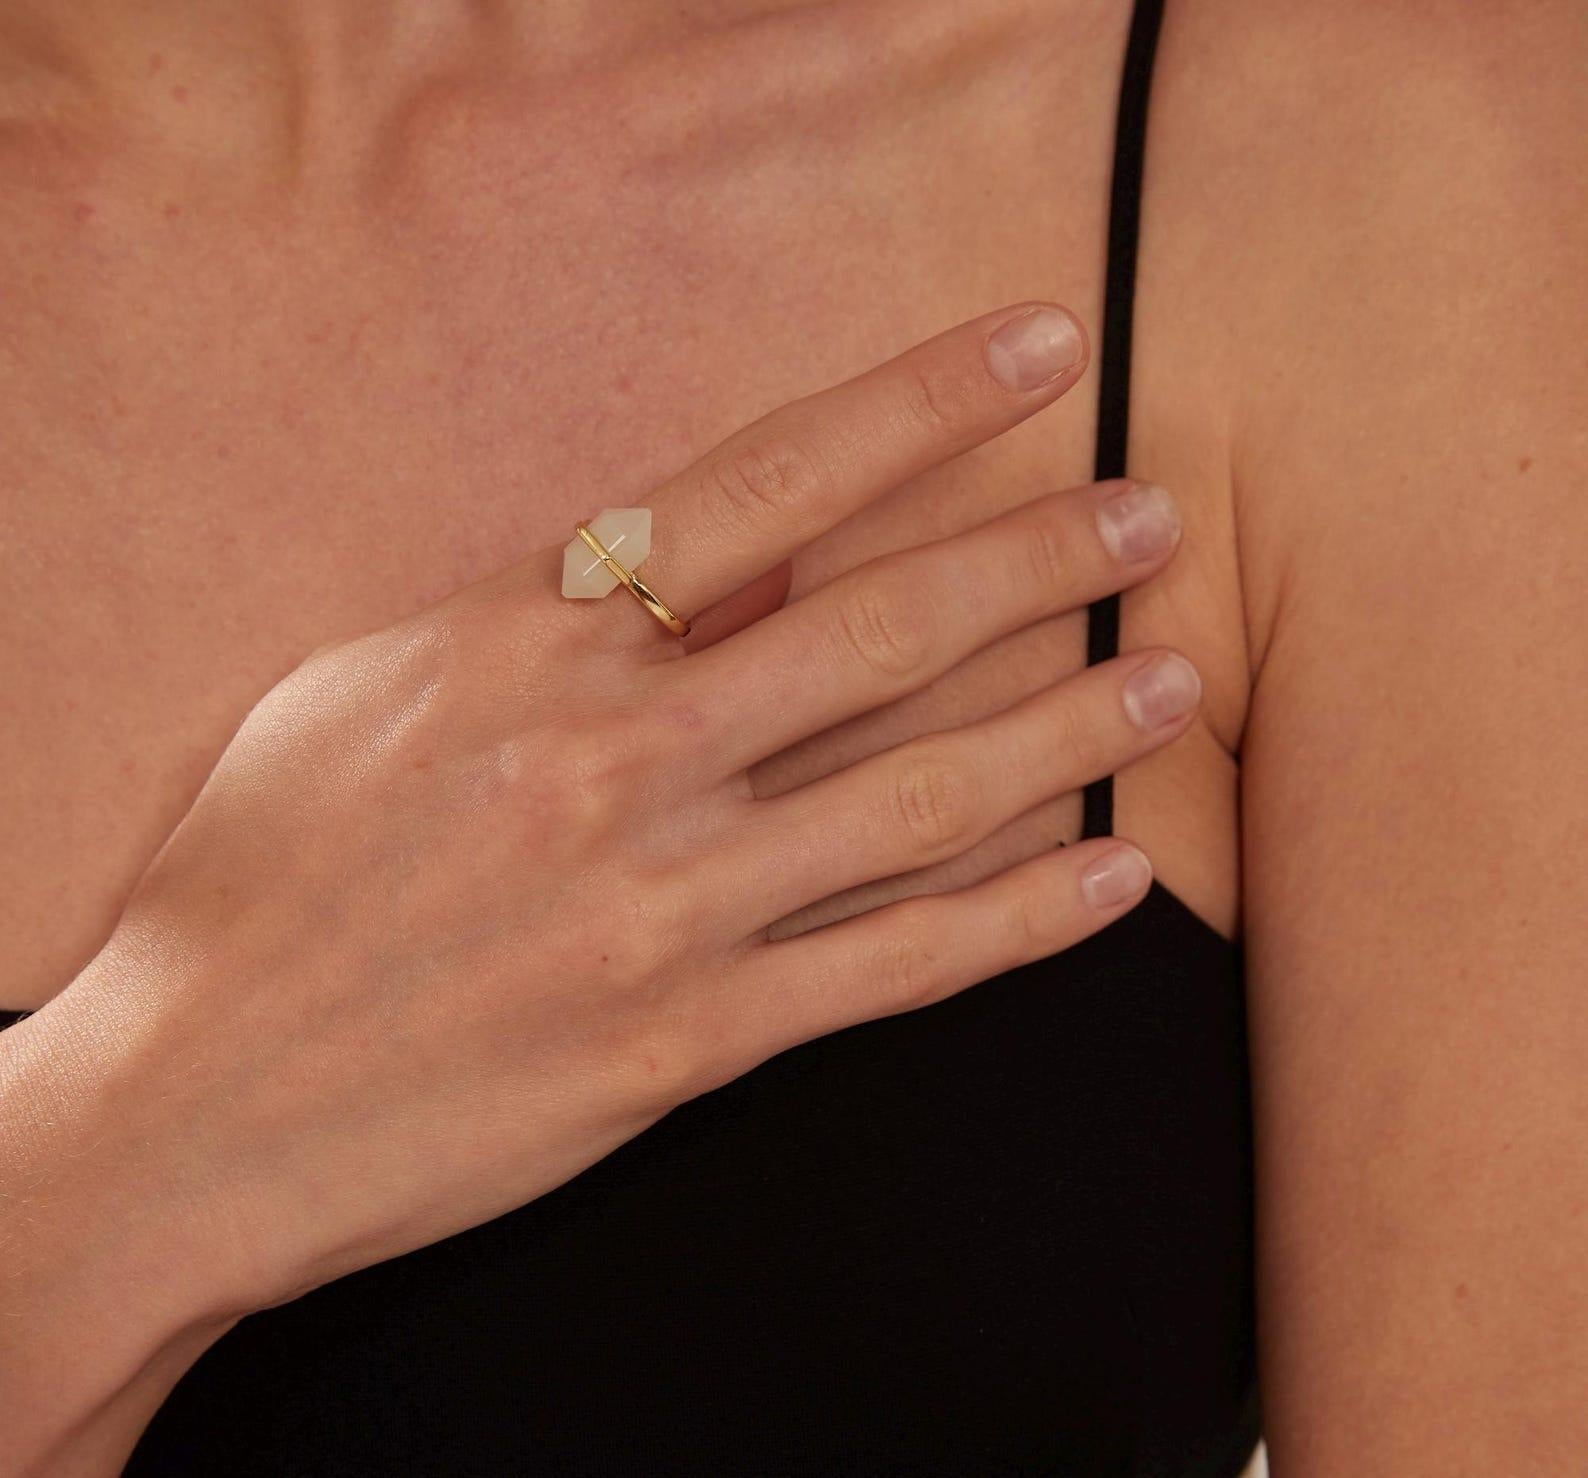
x=772 y=487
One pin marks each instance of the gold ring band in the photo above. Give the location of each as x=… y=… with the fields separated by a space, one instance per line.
x=635 y=586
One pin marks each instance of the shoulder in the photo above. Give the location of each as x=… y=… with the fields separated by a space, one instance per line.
x=1378 y=63
x=1374 y=214
x=1371 y=217
x=1323 y=125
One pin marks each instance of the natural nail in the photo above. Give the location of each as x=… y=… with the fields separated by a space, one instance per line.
x=1030 y=350
x=1116 y=877
x=1139 y=522
x=1166 y=689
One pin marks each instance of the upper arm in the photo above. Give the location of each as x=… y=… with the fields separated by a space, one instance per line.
x=1410 y=468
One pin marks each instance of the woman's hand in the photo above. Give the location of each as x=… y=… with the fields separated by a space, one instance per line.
x=470 y=901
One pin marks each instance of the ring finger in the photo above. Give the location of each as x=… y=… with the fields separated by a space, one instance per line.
x=937 y=796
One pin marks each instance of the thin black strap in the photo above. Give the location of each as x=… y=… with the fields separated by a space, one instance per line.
x=1119 y=302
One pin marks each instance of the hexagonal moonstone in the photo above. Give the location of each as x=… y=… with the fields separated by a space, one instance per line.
x=626 y=533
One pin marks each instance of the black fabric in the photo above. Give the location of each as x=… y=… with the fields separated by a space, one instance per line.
x=1006 y=1235
x=1119 y=313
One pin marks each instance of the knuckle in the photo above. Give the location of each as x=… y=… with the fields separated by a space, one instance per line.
x=640 y=936
x=761 y=479
x=687 y=1052
x=682 y=727
x=1030 y=926
x=397 y=686
x=935 y=801
x=910 y=969
x=673 y=1066
x=627 y=958
x=605 y=757
x=1081 y=738
x=885 y=627
x=589 y=781
x=933 y=401
x=1047 y=554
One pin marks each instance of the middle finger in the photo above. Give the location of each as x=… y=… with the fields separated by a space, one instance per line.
x=894 y=624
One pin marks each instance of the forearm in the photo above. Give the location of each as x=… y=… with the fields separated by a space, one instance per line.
x=102 y=1300
x=59 y=1428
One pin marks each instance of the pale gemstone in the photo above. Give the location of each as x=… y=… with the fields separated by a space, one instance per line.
x=626 y=533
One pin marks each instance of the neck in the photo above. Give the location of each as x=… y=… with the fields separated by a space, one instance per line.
x=109 y=39
x=257 y=86
x=237 y=80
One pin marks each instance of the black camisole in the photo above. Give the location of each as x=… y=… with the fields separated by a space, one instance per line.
x=1009 y=1234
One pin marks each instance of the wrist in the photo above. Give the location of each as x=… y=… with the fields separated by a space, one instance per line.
x=107 y=1291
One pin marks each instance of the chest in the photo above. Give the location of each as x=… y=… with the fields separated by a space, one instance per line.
x=239 y=422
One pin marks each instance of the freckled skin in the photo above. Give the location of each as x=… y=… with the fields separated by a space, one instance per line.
x=548 y=265
x=312 y=413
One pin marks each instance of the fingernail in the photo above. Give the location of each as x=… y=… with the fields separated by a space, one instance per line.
x=1166 y=689
x=1030 y=350
x=1116 y=877
x=1139 y=522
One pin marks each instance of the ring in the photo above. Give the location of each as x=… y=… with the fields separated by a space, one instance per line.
x=584 y=578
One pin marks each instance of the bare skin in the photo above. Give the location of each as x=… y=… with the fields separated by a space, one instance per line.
x=503 y=374
x=282 y=371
